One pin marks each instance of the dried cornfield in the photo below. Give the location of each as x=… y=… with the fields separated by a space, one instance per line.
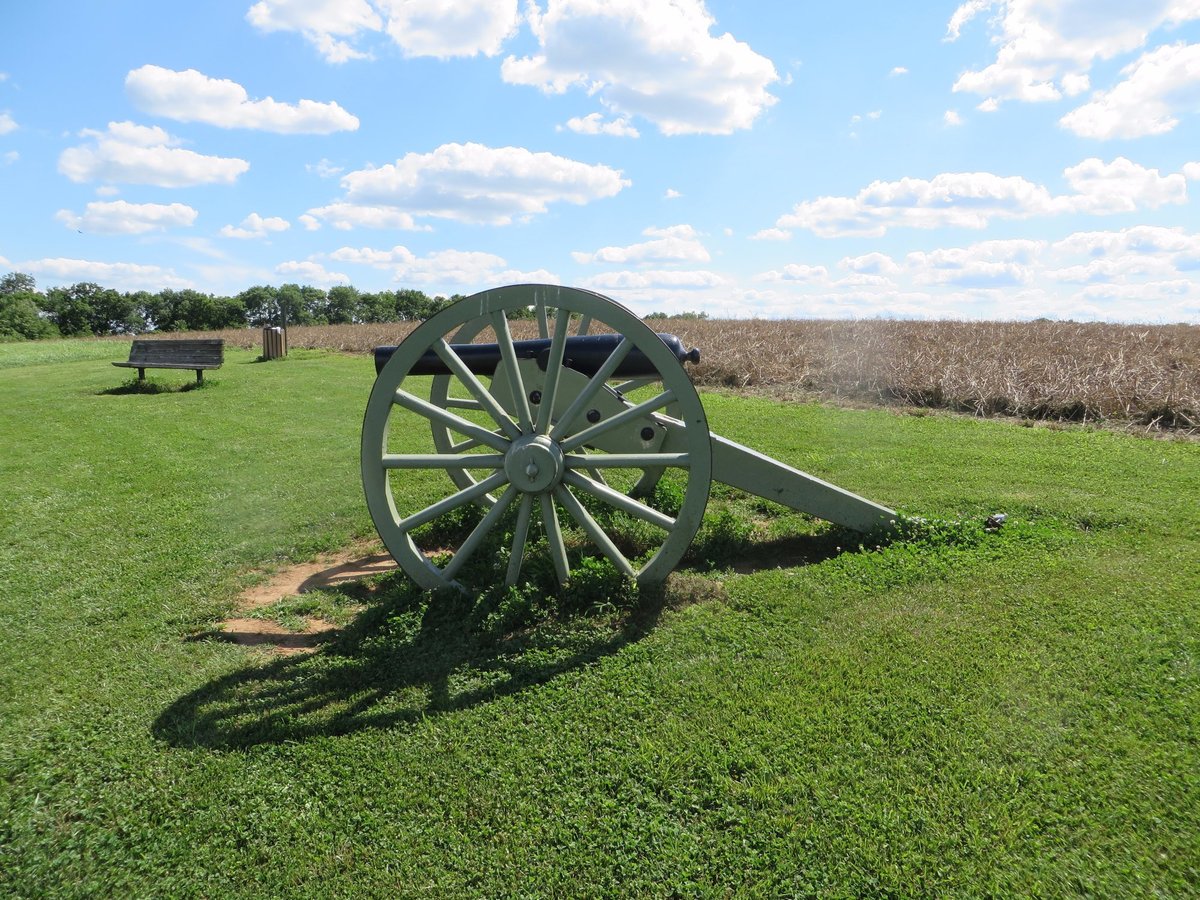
x=1147 y=375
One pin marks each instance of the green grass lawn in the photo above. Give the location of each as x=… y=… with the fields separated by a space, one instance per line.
x=968 y=713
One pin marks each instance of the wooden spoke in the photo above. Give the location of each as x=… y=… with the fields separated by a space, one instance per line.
x=592 y=387
x=553 y=370
x=558 y=550
x=509 y=354
x=454 y=501
x=458 y=423
x=520 y=533
x=462 y=403
x=543 y=325
x=594 y=531
x=443 y=460
x=627 y=460
x=633 y=384
x=585 y=322
x=478 y=391
x=479 y=532
x=621 y=501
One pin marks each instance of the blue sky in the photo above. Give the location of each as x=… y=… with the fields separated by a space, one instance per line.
x=1007 y=159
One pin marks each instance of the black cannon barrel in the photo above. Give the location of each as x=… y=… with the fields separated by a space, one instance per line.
x=585 y=354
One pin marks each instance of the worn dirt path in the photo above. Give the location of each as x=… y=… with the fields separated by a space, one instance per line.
x=326 y=571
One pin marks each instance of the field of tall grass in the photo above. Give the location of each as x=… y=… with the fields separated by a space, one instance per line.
x=1144 y=376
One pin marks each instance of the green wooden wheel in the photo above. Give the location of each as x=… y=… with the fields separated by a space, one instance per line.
x=544 y=462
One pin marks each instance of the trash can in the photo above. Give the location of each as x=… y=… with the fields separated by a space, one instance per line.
x=274 y=345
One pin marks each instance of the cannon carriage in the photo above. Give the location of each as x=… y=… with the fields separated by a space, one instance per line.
x=548 y=435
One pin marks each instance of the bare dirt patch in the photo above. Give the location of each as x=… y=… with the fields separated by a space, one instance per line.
x=327 y=571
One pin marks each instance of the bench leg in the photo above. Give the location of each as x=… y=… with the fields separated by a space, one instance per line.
x=141 y=374
x=199 y=376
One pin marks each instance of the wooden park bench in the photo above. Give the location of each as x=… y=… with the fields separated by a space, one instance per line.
x=201 y=354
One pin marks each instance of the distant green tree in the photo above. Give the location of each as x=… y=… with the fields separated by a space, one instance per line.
x=20 y=320
x=114 y=313
x=142 y=302
x=261 y=305
x=86 y=308
x=679 y=315
x=377 y=307
x=342 y=305
x=195 y=311
x=17 y=283
x=301 y=305
x=20 y=305
x=413 y=304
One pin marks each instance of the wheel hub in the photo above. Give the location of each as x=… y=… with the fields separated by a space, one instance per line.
x=534 y=463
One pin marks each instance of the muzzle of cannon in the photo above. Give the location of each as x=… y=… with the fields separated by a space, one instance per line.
x=554 y=438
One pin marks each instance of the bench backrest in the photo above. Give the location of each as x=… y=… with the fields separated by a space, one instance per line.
x=200 y=352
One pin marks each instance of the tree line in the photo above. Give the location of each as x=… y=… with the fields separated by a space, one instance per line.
x=87 y=309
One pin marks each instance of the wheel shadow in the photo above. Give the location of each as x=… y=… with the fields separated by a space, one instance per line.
x=406 y=657
x=410 y=655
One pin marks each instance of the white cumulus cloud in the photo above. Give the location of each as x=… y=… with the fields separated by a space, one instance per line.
x=1121 y=186
x=596 y=124
x=987 y=264
x=7 y=123
x=870 y=264
x=797 y=272
x=345 y=216
x=191 y=96
x=641 y=280
x=438 y=28
x=119 y=275
x=122 y=217
x=324 y=23
x=468 y=183
x=964 y=14
x=323 y=169
x=457 y=268
x=678 y=243
x=311 y=273
x=1047 y=47
x=974 y=199
x=659 y=61
x=771 y=234
x=138 y=154
x=255 y=226
x=1142 y=104
x=446 y=28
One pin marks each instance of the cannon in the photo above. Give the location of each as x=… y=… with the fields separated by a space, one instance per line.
x=555 y=437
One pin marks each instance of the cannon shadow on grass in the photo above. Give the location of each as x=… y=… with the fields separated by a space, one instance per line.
x=410 y=655
x=406 y=657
